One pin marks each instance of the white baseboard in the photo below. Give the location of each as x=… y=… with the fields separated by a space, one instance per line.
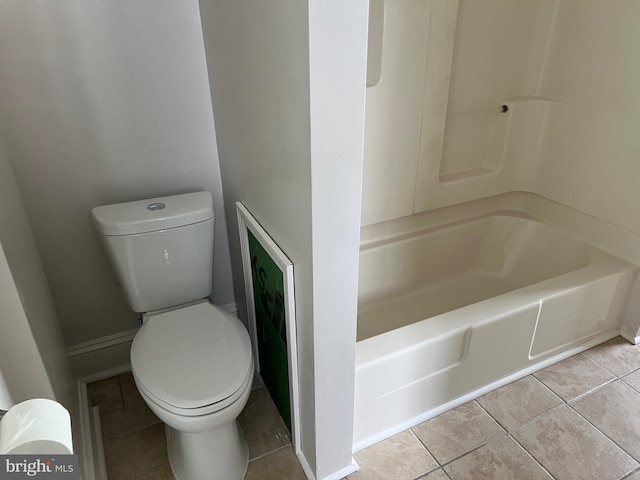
x=83 y=446
x=108 y=356
x=340 y=474
x=99 y=461
x=306 y=468
x=102 y=357
x=348 y=470
x=629 y=337
x=89 y=446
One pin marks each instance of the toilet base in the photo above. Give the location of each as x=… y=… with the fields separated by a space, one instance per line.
x=215 y=454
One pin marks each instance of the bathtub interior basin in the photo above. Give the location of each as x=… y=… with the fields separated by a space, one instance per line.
x=437 y=270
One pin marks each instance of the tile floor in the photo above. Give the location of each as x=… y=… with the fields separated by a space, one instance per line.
x=578 y=419
x=135 y=442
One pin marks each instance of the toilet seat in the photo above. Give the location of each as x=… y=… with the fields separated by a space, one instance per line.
x=192 y=361
x=196 y=412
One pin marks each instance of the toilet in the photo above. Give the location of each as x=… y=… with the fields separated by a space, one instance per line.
x=191 y=360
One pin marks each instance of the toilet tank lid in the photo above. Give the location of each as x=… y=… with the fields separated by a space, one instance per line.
x=153 y=214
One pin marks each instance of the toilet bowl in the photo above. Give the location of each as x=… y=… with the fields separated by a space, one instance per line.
x=193 y=368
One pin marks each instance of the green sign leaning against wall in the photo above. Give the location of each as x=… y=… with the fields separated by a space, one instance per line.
x=269 y=305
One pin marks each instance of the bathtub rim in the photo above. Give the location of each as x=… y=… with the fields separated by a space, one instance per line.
x=593 y=231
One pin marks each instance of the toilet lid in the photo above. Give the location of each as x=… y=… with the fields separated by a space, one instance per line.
x=192 y=357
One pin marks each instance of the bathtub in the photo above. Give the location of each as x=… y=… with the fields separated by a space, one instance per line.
x=461 y=300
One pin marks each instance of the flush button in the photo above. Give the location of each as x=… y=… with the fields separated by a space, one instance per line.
x=156 y=206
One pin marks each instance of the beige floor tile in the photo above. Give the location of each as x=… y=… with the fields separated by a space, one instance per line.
x=135 y=442
x=130 y=395
x=518 y=403
x=617 y=355
x=457 y=431
x=401 y=457
x=615 y=411
x=500 y=459
x=633 y=379
x=262 y=425
x=118 y=453
x=279 y=465
x=106 y=394
x=126 y=421
x=573 y=377
x=150 y=454
x=569 y=447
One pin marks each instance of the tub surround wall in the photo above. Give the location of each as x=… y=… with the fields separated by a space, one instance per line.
x=567 y=72
x=467 y=152
x=588 y=154
x=466 y=61
x=392 y=131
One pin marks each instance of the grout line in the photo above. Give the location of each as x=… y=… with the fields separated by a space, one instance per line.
x=471 y=451
x=124 y=405
x=605 y=435
x=442 y=465
x=631 y=473
x=133 y=430
x=602 y=366
x=509 y=432
x=593 y=390
x=277 y=449
x=423 y=474
x=446 y=464
x=425 y=446
x=489 y=413
x=628 y=384
x=532 y=457
x=548 y=388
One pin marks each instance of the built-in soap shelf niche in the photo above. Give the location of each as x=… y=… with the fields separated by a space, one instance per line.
x=474 y=141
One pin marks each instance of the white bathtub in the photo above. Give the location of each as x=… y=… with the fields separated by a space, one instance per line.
x=463 y=299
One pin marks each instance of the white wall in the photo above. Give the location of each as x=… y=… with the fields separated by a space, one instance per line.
x=287 y=80
x=33 y=356
x=337 y=58
x=262 y=127
x=104 y=102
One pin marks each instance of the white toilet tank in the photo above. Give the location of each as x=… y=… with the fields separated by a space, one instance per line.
x=161 y=249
